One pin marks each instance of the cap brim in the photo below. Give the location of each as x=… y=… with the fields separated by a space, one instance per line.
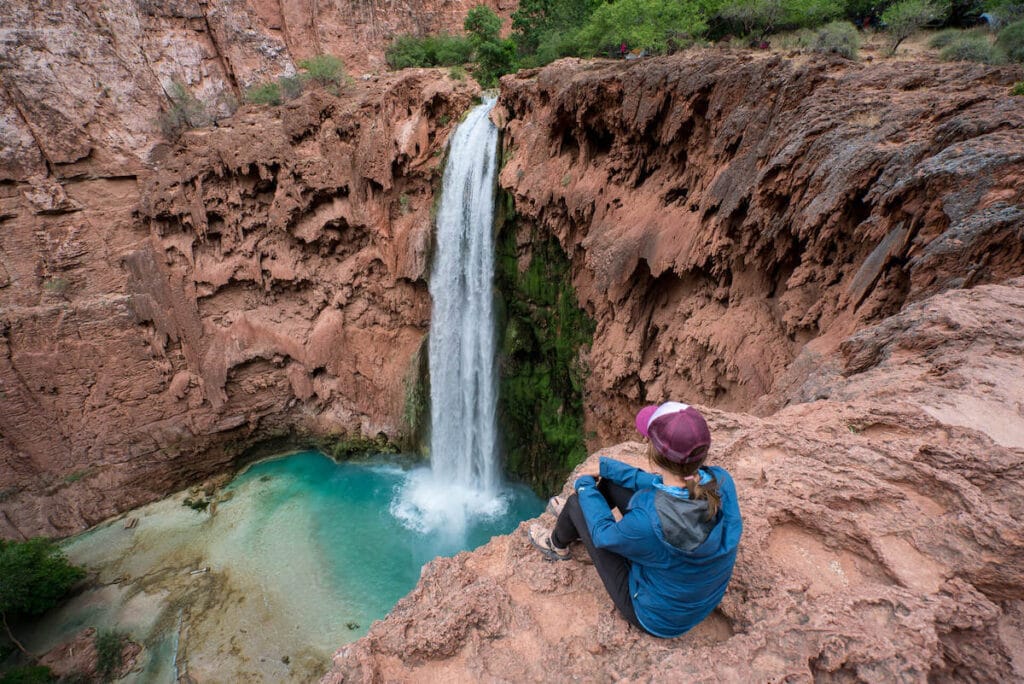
x=643 y=418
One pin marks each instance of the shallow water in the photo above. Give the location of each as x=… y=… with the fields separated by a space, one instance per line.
x=301 y=556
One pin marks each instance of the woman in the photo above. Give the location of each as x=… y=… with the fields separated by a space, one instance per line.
x=667 y=562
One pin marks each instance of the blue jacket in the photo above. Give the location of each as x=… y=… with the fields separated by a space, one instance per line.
x=680 y=563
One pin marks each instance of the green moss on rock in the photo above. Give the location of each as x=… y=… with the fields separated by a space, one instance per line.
x=542 y=364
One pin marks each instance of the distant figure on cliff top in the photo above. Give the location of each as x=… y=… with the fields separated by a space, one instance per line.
x=623 y=49
x=667 y=562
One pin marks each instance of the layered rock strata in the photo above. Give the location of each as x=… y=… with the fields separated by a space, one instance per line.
x=263 y=278
x=732 y=217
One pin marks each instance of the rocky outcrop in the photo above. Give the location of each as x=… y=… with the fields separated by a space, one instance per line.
x=731 y=217
x=240 y=287
x=835 y=246
x=881 y=539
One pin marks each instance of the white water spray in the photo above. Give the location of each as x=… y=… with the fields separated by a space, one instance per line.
x=464 y=479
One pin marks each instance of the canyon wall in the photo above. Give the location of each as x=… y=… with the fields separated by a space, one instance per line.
x=164 y=307
x=836 y=246
x=732 y=217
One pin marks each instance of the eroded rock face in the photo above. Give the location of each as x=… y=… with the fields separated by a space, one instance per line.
x=728 y=214
x=881 y=541
x=261 y=279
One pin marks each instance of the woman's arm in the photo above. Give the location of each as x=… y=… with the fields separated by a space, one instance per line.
x=626 y=475
x=632 y=537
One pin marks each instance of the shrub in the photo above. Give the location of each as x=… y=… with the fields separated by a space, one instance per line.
x=186 y=112
x=1017 y=89
x=291 y=87
x=109 y=653
x=839 y=37
x=264 y=93
x=326 y=70
x=457 y=73
x=1011 y=41
x=944 y=38
x=970 y=48
x=36 y=576
x=908 y=16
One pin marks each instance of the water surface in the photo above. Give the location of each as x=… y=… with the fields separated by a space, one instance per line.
x=299 y=556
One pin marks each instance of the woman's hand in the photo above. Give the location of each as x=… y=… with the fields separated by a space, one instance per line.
x=584 y=481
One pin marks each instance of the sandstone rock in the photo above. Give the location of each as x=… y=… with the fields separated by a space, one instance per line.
x=241 y=287
x=881 y=543
x=727 y=213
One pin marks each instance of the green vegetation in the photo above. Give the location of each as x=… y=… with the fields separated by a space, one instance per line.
x=1011 y=41
x=428 y=51
x=34 y=577
x=325 y=70
x=186 y=111
x=970 y=47
x=109 y=654
x=58 y=286
x=494 y=55
x=906 y=17
x=28 y=674
x=197 y=505
x=347 y=448
x=290 y=86
x=655 y=24
x=1018 y=89
x=545 y=336
x=758 y=18
x=837 y=37
x=264 y=93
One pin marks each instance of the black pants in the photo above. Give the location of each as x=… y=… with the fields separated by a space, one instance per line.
x=612 y=568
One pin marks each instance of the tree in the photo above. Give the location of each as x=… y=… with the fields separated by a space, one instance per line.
x=34 y=577
x=495 y=56
x=652 y=25
x=758 y=18
x=905 y=17
x=538 y=21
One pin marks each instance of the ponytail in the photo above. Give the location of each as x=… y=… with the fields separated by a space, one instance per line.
x=690 y=474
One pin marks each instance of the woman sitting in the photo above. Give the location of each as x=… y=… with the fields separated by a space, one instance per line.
x=667 y=562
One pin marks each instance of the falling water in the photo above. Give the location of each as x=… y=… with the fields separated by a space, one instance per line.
x=464 y=480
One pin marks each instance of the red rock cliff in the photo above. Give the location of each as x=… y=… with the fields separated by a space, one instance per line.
x=732 y=217
x=165 y=306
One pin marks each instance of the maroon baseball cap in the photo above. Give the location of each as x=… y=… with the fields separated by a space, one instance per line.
x=677 y=431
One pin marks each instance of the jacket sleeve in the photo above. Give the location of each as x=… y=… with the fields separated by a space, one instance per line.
x=626 y=475
x=632 y=537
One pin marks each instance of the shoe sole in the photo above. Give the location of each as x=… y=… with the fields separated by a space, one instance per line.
x=548 y=553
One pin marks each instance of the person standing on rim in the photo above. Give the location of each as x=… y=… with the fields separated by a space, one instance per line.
x=667 y=562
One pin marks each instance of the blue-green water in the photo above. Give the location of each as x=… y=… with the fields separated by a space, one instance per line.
x=366 y=554
x=298 y=557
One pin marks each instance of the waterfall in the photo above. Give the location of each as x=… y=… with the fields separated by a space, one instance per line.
x=462 y=379
x=464 y=479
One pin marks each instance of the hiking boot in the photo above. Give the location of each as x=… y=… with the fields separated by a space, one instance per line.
x=540 y=537
x=555 y=505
